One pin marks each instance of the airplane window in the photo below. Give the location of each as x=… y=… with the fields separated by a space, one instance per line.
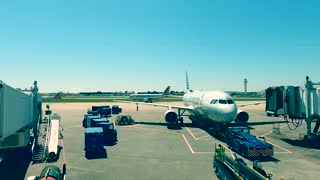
x=214 y=101
x=222 y=101
x=230 y=101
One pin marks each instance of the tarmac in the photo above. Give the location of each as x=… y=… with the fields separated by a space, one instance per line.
x=155 y=152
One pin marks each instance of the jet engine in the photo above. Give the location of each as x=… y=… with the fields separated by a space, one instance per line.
x=242 y=117
x=171 y=116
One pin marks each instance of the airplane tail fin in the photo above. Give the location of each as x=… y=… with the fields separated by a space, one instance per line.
x=166 y=92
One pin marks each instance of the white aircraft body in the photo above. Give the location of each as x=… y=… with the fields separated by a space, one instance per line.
x=217 y=106
x=149 y=97
x=214 y=107
x=210 y=109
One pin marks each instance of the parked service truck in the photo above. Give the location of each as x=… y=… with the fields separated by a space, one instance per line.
x=110 y=134
x=19 y=113
x=241 y=141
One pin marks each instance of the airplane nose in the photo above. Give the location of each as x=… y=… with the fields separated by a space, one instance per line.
x=225 y=113
x=229 y=109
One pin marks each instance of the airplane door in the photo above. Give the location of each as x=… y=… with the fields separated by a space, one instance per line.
x=201 y=100
x=203 y=106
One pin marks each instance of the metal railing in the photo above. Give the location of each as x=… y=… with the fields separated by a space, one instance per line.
x=47 y=135
x=36 y=135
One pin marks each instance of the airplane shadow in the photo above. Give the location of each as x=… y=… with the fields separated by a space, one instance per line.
x=212 y=134
x=173 y=127
x=300 y=143
x=90 y=155
x=260 y=158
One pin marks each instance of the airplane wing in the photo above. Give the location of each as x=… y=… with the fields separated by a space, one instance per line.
x=249 y=104
x=187 y=108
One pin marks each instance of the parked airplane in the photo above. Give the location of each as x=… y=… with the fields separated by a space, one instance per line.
x=150 y=97
x=210 y=109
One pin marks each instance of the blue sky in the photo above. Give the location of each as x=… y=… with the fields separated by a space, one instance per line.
x=144 y=45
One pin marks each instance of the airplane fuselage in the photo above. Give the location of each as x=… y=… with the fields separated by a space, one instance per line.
x=215 y=106
x=145 y=97
x=150 y=97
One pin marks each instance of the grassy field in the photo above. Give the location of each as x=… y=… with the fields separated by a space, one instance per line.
x=108 y=99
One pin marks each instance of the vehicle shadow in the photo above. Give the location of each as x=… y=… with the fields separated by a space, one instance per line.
x=110 y=143
x=263 y=159
x=173 y=127
x=90 y=155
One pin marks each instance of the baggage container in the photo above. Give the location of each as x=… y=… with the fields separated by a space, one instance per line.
x=95 y=113
x=95 y=122
x=105 y=112
x=93 y=139
x=115 y=109
x=87 y=120
x=96 y=108
x=16 y=110
x=109 y=133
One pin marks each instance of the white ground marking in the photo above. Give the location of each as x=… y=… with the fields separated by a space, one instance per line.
x=272 y=131
x=157 y=130
x=190 y=148
x=191 y=134
x=195 y=138
x=199 y=138
x=200 y=132
x=186 y=141
x=280 y=147
x=287 y=151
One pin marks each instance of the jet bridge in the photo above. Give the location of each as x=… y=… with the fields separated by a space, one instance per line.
x=297 y=103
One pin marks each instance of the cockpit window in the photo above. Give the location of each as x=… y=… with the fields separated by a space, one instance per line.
x=222 y=101
x=230 y=101
x=214 y=101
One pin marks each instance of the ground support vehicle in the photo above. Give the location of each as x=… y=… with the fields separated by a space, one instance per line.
x=124 y=120
x=241 y=141
x=230 y=167
x=110 y=134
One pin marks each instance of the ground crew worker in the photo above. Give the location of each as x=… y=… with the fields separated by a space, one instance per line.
x=219 y=150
